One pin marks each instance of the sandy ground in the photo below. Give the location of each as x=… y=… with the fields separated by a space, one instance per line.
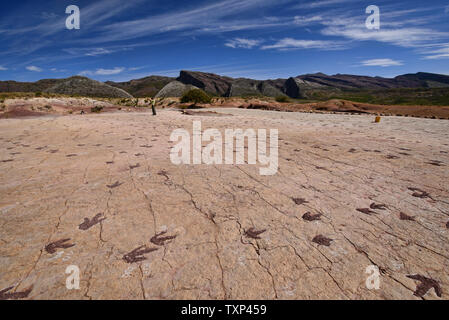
x=105 y=184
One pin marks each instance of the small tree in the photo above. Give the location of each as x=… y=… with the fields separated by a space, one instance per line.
x=96 y=109
x=196 y=96
x=282 y=99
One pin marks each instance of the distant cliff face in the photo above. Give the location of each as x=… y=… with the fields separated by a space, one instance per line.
x=209 y=82
x=229 y=87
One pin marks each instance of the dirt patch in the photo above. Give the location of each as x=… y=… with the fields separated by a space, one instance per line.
x=205 y=113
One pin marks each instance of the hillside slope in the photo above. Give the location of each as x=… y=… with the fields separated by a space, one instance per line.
x=145 y=87
x=81 y=86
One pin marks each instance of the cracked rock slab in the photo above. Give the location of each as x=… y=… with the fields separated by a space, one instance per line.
x=139 y=227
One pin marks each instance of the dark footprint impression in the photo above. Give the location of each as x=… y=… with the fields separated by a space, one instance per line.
x=418 y=193
x=5 y=295
x=253 y=233
x=299 y=201
x=311 y=217
x=89 y=223
x=322 y=240
x=52 y=247
x=159 y=240
x=375 y=206
x=164 y=174
x=425 y=285
x=390 y=156
x=134 y=166
x=137 y=254
x=367 y=211
x=115 y=185
x=436 y=163
x=406 y=217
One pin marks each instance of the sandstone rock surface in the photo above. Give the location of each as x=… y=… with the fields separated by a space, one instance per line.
x=99 y=192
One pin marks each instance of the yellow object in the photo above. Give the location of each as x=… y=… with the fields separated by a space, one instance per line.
x=377 y=119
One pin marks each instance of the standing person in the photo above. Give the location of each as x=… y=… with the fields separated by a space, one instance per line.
x=153 y=106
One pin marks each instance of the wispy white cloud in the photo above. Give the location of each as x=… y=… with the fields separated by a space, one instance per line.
x=107 y=72
x=404 y=37
x=103 y=72
x=90 y=52
x=48 y=15
x=290 y=44
x=441 y=53
x=215 y=17
x=243 y=43
x=307 y=20
x=57 y=70
x=34 y=69
x=321 y=3
x=2 y=68
x=381 y=63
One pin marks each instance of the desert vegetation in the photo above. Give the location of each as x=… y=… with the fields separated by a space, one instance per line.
x=196 y=96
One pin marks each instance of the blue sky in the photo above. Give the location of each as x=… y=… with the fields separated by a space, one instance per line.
x=121 y=40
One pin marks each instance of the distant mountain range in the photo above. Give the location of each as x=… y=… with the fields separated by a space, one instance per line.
x=73 y=86
x=303 y=86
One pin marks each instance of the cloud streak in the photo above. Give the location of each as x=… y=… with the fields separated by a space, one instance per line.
x=292 y=44
x=34 y=69
x=103 y=72
x=242 y=43
x=381 y=63
x=442 y=53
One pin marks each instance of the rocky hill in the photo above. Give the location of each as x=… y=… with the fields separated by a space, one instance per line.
x=145 y=87
x=77 y=85
x=174 y=89
x=309 y=86
x=82 y=86
x=217 y=85
x=38 y=86
x=304 y=86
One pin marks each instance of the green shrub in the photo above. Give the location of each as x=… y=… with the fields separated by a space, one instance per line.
x=196 y=96
x=96 y=109
x=282 y=99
